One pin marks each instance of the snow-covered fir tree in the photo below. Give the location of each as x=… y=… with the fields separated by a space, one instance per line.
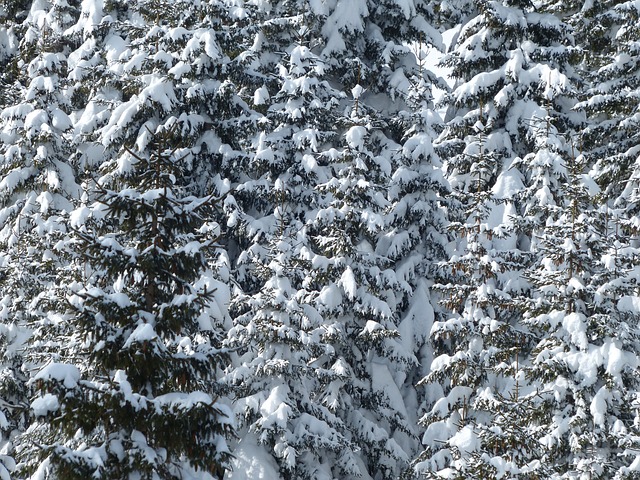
x=611 y=139
x=476 y=347
x=315 y=171
x=278 y=336
x=354 y=291
x=283 y=339
x=134 y=389
x=510 y=62
x=38 y=185
x=583 y=367
x=414 y=236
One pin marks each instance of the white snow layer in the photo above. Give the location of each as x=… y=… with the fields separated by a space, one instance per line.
x=68 y=375
x=252 y=462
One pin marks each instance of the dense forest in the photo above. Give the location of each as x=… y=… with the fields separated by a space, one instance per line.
x=261 y=239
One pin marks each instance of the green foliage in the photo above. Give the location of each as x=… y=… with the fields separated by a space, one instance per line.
x=139 y=373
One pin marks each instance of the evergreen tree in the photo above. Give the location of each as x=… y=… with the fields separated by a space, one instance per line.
x=415 y=236
x=134 y=392
x=355 y=292
x=284 y=340
x=471 y=429
x=38 y=185
x=511 y=65
x=584 y=365
x=611 y=139
x=577 y=284
x=321 y=165
x=279 y=336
